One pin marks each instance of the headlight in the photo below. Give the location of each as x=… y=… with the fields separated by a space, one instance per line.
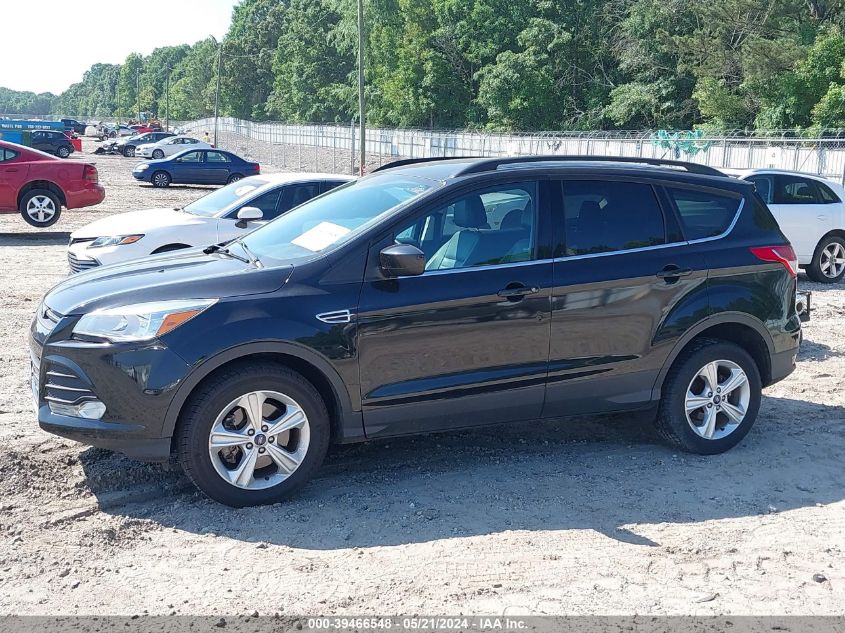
x=115 y=240
x=142 y=167
x=141 y=321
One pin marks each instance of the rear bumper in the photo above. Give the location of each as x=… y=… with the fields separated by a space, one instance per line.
x=86 y=196
x=783 y=364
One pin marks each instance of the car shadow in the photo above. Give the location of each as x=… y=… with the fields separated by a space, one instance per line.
x=607 y=475
x=815 y=352
x=35 y=238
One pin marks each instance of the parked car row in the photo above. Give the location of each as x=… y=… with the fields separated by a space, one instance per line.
x=429 y=295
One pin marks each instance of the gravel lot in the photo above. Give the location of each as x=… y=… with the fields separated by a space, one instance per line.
x=571 y=518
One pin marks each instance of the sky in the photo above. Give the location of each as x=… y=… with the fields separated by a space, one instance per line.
x=58 y=40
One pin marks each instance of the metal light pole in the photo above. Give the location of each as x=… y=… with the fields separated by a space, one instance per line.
x=217 y=93
x=138 y=90
x=167 y=101
x=362 y=113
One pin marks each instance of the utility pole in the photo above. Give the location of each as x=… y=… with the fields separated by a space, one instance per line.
x=118 y=97
x=138 y=90
x=167 y=101
x=362 y=113
x=217 y=93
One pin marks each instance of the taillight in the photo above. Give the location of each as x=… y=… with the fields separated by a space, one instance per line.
x=783 y=254
x=257 y=168
x=89 y=173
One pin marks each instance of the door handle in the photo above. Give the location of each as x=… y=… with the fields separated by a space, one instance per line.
x=673 y=272
x=821 y=217
x=11 y=170
x=514 y=291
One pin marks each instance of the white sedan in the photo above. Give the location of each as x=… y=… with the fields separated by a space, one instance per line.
x=224 y=214
x=811 y=213
x=170 y=146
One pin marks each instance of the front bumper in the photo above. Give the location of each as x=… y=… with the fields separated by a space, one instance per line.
x=135 y=381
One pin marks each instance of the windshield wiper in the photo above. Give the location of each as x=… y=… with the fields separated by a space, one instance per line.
x=216 y=248
x=250 y=254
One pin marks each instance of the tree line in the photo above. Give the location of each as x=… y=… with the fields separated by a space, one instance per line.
x=494 y=64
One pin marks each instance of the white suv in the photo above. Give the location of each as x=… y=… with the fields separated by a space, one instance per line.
x=811 y=213
x=222 y=215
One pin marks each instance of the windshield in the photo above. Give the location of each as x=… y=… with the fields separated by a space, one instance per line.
x=222 y=198
x=334 y=218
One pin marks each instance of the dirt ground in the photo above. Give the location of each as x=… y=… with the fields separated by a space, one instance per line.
x=583 y=517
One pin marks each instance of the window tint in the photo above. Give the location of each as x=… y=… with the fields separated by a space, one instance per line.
x=607 y=216
x=267 y=203
x=703 y=214
x=190 y=157
x=295 y=195
x=795 y=190
x=764 y=186
x=494 y=226
x=826 y=193
x=216 y=157
x=7 y=154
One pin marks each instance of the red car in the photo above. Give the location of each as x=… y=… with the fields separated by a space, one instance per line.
x=142 y=129
x=38 y=185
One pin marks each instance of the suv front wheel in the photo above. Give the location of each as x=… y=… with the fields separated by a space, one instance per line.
x=710 y=398
x=253 y=434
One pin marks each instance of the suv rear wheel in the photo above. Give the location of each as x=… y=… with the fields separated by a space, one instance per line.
x=828 y=265
x=710 y=398
x=63 y=151
x=253 y=434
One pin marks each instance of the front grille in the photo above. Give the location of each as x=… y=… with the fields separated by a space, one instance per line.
x=63 y=386
x=78 y=265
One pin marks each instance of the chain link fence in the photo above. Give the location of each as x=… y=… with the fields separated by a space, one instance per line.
x=334 y=148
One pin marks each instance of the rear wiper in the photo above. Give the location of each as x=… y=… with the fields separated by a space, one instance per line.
x=216 y=248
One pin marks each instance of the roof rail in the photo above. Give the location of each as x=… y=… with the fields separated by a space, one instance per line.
x=413 y=161
x=490 y=164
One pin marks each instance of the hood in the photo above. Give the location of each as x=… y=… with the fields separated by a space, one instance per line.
x=139 y=222
x=188 y=274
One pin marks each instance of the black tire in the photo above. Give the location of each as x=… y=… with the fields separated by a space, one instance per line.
x=167 y=248
x=816 y=270
x=212 y=396
x=234 y=178
x=157 y=154
x=31 y=216
x=112 y=134
x=160 y=179
x=671 y=422
x=63 y=151
x=129 y=151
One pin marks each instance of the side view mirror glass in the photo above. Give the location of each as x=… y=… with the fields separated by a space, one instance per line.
x=402 y=260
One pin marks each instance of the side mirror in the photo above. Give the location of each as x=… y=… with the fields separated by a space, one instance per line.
x=247 y=215
x=402 y=260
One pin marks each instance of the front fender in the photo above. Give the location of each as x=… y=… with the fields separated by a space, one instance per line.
x=350 y=424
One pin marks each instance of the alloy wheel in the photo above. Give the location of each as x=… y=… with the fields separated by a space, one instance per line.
x=717 y=399
x=259 y=440
x=40 y=208
x=832 y=261
x=160 y=180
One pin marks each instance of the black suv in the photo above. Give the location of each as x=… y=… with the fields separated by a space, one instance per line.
x=430 y=296
x=52 y=142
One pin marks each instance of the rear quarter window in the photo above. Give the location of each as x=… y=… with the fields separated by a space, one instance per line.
x=703 y=214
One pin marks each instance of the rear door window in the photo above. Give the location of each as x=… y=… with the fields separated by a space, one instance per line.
x=608 y=216
x=703 y=214
x=796 y=190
